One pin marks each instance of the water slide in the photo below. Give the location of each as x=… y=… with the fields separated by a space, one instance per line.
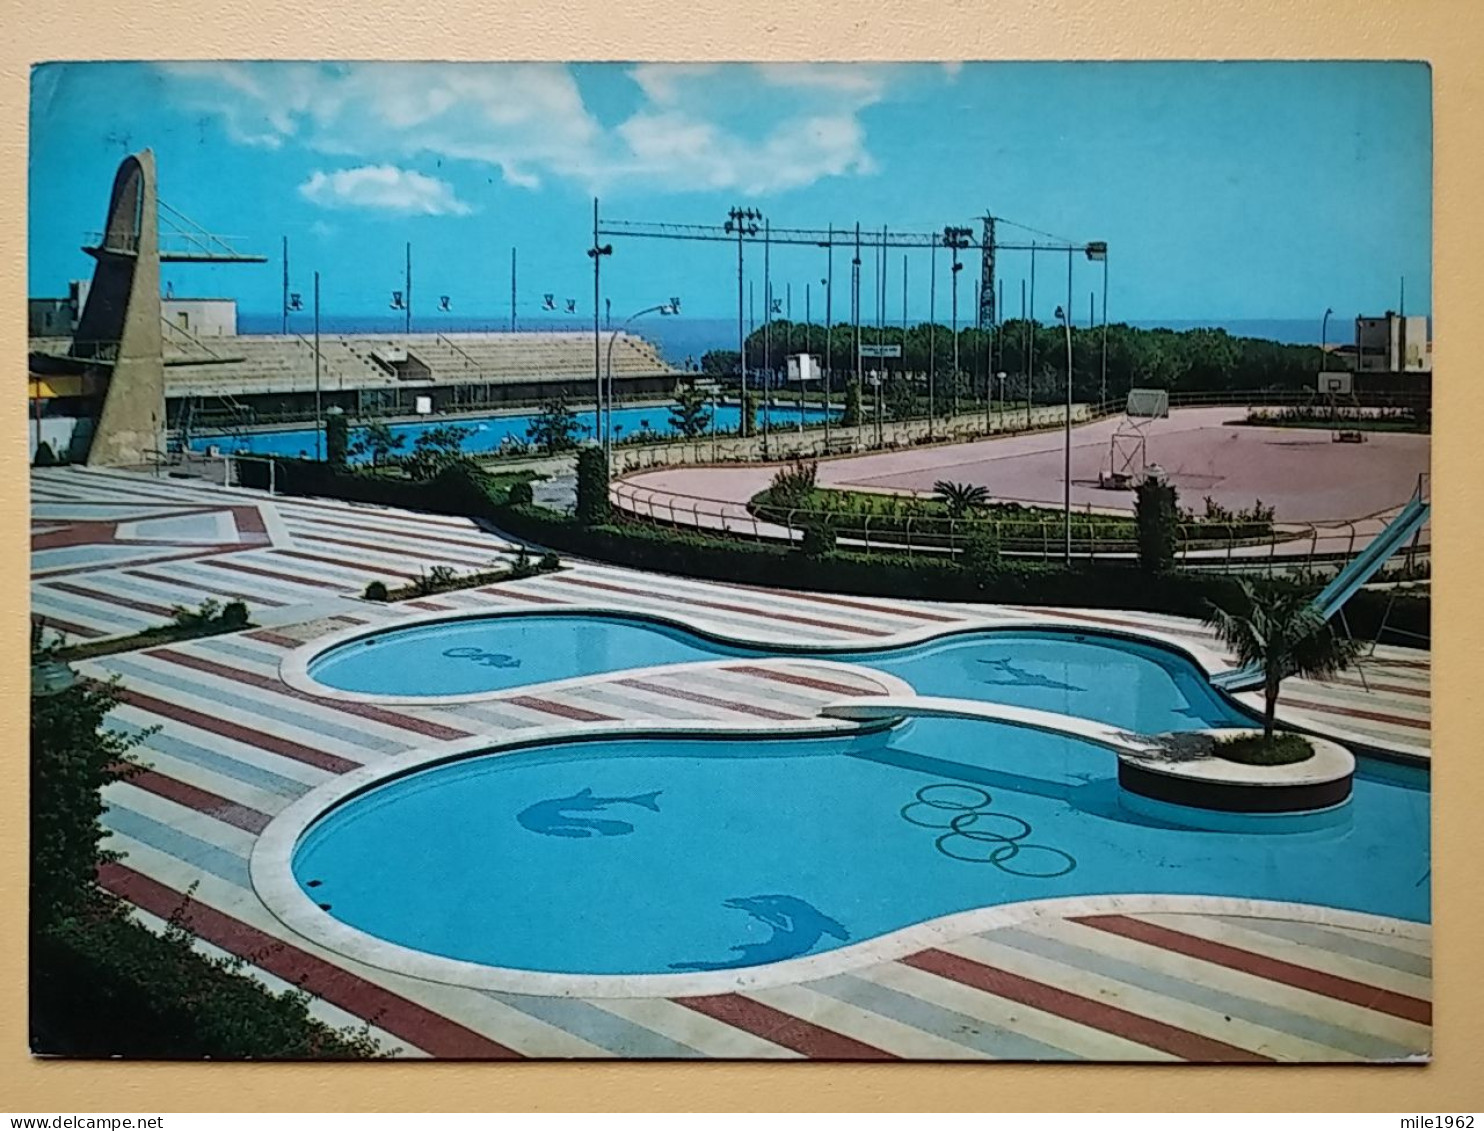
x=1347 y=582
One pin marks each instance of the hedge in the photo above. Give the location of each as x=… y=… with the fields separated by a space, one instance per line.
x=106 y=986
x=917 y=577
x=459 y=489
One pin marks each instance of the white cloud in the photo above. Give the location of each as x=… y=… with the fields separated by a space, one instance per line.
x=384 y=188
x=753 y=128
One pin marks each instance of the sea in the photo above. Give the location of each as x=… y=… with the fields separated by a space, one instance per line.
x=681 y=338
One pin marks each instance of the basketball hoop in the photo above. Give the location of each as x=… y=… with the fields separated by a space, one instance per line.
x=1128 y=447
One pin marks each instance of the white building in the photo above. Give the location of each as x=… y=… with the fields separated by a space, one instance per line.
x=1392 y=343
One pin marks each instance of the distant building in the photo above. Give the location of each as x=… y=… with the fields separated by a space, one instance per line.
x=199 y=317
x=56 y=317
x=1392 y=343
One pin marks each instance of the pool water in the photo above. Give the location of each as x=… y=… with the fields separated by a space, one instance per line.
x=1122 y=682
x=492 y=432
x=666 y=855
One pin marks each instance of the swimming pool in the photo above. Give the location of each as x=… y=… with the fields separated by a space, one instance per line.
x=491 y=432
x=1113 y=679
x=690 y=854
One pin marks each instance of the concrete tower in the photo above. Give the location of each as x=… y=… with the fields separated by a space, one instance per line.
x=119 y=329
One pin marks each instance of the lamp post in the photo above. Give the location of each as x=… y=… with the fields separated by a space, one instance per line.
x=596 y=253
x=1324 y=339
x=1067 y=447
x=671 y=307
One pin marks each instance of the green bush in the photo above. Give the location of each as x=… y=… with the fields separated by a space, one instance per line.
x=459 y=488
x=852 y=415
x=104 y=987
x=592 y=485
x=520 y=493
x=233 y=614
x=981 y=555
x=794 y=483
x=45 y=457
x=550 y=562
x=932 y=577
x=375 y=591
x=1157 y=522
x=337 y=439
x=818 y=540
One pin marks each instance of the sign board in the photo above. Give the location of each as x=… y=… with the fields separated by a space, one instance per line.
x=802 y=367
x=880 y=351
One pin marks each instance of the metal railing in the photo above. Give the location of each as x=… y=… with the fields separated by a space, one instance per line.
x=1289 y=546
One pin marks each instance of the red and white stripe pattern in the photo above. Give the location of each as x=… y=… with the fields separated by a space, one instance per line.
x=1149 y=981
x=290 y=556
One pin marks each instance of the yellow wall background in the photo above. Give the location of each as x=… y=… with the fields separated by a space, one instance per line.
x=1446 y=33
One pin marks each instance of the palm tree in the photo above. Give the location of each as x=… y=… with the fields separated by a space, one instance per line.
x=1280 y=633
x=960 y=498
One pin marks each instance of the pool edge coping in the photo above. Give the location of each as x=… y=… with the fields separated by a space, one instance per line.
x=270 y=869
x=293 y=668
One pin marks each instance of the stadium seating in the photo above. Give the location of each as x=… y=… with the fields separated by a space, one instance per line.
x=285 y=364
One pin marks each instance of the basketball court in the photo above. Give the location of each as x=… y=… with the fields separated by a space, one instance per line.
x=1301 y=472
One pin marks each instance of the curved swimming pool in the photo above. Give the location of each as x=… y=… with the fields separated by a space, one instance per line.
x=666 y=855
x=1113 y=679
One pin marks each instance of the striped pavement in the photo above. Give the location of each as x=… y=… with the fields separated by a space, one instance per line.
x=114 y=553
x=228 y=746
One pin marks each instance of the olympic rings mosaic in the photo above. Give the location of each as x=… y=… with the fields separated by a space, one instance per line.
x=974 y=835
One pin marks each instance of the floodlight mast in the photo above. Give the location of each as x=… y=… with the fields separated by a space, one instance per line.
x=742 y=225
x=742 y=222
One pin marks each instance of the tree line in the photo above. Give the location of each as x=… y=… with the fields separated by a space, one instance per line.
x=1205 y=359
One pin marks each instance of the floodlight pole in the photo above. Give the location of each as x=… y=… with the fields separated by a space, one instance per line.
x=1104 y=394
x=407 y=314
x=319 y=424
x=829 y=293
x=1025 y=354
x=932 y=335
x=743 y=222
x=512 y=290
x=285 y=286
x=767 y=337
x=1066 y=320
x=855 y=318
x=596 y=253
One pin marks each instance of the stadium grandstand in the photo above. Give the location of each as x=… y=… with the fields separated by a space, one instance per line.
x=127 y=377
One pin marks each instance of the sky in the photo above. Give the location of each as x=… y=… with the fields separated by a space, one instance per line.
x=1224 y=190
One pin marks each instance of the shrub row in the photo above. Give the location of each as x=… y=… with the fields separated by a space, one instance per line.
x=460 y=488
x=105 y=986
x=917 y=577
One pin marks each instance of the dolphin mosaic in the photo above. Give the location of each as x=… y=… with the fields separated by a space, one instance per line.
x=797 y=928
x=1019 y=677
x=554 y=816
x=480 y=656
